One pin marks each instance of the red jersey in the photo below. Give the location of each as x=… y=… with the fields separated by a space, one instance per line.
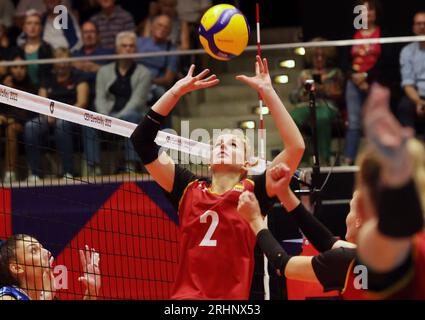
x=366 y=56
x=216 y=244
x=410 y=286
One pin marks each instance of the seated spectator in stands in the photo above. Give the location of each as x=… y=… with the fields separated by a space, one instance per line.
x=412 y=61
x=35 y=48
x=179 y=35
x=65 y=87
x=163 y=69
x=67 y=37
x=329 y=89
x=4 y=48
x=7 y=11
x=365 y=60
x=111 y=20
x=122 y=88
x=13 y=119
x=190 y=12
x=38 y=5
x=88 y=69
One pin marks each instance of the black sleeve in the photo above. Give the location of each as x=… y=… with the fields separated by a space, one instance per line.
x=331 y=267
x=182 y=178
x=385 y=282
x=266 y=203
x=400 y=211
x=317 y=233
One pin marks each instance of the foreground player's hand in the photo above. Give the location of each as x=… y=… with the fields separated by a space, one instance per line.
x=280 y=178
x=261 y=81
x=91 y=279
x=49 y=284
x=249 y=209
x=387 y=138
x=192 y=83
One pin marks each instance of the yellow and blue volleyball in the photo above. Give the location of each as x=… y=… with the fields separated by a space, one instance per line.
x=224 y=32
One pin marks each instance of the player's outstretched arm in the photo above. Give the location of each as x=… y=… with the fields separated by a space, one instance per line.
x=320 y=236
x=160 y=166
x=296 y=268
x=288 y=130
x=385 y=240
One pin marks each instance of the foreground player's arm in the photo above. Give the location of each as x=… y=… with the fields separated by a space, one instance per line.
x=288 y=130
x=317 y=233
x=385 y=241
x=160 y=166
x=328 y=269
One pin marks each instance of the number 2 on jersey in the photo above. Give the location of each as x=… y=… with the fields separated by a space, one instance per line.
x=207 y=242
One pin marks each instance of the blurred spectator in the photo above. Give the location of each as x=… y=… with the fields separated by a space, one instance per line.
x=163 y=69
x=67 y=37
x=65 y=87
x=179 y=35
x=190 y=12
x=38 y=5
x=412 y=61
x=7 y=11
x=88 y=69
x=364 y=64
x=4 y=48
x=122 y=89
x=110 y=21
x=85 y=9
x=329 y=82
x=11 y=118
x=35 y=48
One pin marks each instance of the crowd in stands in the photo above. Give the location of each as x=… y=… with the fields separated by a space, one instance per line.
x=126 y=88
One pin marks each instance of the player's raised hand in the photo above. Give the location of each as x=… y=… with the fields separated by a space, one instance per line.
x=261 y=81
x=193 y=83
x=387 y=137
x=249 y=209
x=279 y=178
x=91 y=279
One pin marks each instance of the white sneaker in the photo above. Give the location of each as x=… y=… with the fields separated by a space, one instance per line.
x=9 y=177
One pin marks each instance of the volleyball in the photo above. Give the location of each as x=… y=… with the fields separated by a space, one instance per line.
x=224 y=32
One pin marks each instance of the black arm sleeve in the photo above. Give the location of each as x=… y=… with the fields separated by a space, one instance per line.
x=381 y=282
x=266 y=203
x=182 y=178
x=331 y=267
x=400 y=212
x=143 y=138
x=319 y=236
x=274 y=252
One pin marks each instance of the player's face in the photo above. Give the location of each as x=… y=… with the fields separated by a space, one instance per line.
x=228 y=153
x=32 y=258
x=353 y=221
x=319 y=59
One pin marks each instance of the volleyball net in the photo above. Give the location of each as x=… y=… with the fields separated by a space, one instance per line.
x=71 y=178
